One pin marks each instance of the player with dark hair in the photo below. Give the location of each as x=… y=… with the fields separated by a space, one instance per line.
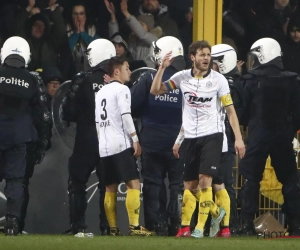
x=118 y=147
x=203 y=90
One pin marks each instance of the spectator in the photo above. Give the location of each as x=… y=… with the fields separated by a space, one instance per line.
x=186 y=34
x=8 y=11
x=81 y=32
x=44 y=40
x=122 y=51
x=120 y=45
x=161 y=17
x=144 y=32
x=291 y=48
x=274 y=20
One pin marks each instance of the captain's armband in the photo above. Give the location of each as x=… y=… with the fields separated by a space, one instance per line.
x=226 y=100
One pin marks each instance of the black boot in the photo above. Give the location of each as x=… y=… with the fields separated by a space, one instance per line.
x=161 y=229
x=293 y=226
x=173 y=229
x=11 y=227
x=247 y=228
x=104 y=230
x=74 y=229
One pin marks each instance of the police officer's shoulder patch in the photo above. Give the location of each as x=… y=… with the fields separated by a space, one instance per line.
x=142 y=77
x=35 y=73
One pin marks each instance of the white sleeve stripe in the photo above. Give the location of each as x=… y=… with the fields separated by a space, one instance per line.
x=128 y=113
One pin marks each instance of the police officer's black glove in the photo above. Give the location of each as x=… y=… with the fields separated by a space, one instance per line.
x=39 y=156
x=40 y=149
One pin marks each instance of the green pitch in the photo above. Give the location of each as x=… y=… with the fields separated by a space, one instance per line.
x=58 y=242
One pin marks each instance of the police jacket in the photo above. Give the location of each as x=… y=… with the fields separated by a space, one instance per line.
x=79 y=107
x=236 y=92
x=24 y=116
x=161 y=115
x=271 y=95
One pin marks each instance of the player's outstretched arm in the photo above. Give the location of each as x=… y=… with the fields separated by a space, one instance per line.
x=158 y=87
x=233 y=120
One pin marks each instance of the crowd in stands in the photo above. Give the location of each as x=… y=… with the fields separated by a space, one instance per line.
x=59 y=31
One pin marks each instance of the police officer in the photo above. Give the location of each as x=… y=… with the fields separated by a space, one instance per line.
x=80 y=108
x=225 y=62
x=272 y=112
x=24 y=118
x=50 y=81
x=161 y=122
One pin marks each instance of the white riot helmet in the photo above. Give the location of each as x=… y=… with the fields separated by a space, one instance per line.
x=225 y=57
x=164 y=45
x=263 y=51
x=100 y=50
x=18 y=46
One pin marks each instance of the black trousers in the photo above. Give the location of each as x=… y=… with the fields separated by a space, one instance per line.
x=276 y=141
x=156 y=166
x=225 y=172
x=81 y=165
x=29 y=170
x=12 y=169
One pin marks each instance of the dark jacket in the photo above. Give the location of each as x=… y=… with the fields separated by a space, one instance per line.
x=161 y=115
x=24 y=116
x=162 y=19
x=80 y=107
x=271 y=96
x=44 y=51
x=291 y=49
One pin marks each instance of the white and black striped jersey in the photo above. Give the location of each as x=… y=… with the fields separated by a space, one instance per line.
x=112 y=101
x=202 y=98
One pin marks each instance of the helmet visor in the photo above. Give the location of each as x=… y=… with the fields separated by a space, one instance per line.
x=253 y=58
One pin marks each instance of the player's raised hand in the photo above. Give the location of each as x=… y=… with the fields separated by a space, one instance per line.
x=166 y=61
x=137 y=149
x=240 y=148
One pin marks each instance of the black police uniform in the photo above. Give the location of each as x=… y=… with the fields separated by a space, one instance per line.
x=80 y=108
x=228 y=158
x=272 y=111
x=34 y=152
x=24 y=118
x=161 y=123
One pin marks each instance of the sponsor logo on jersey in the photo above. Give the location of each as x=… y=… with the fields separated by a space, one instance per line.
x=14 y=81
x=208 y=85
x=193 y=99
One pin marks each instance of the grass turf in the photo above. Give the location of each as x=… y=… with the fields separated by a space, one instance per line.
x=60 y=242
